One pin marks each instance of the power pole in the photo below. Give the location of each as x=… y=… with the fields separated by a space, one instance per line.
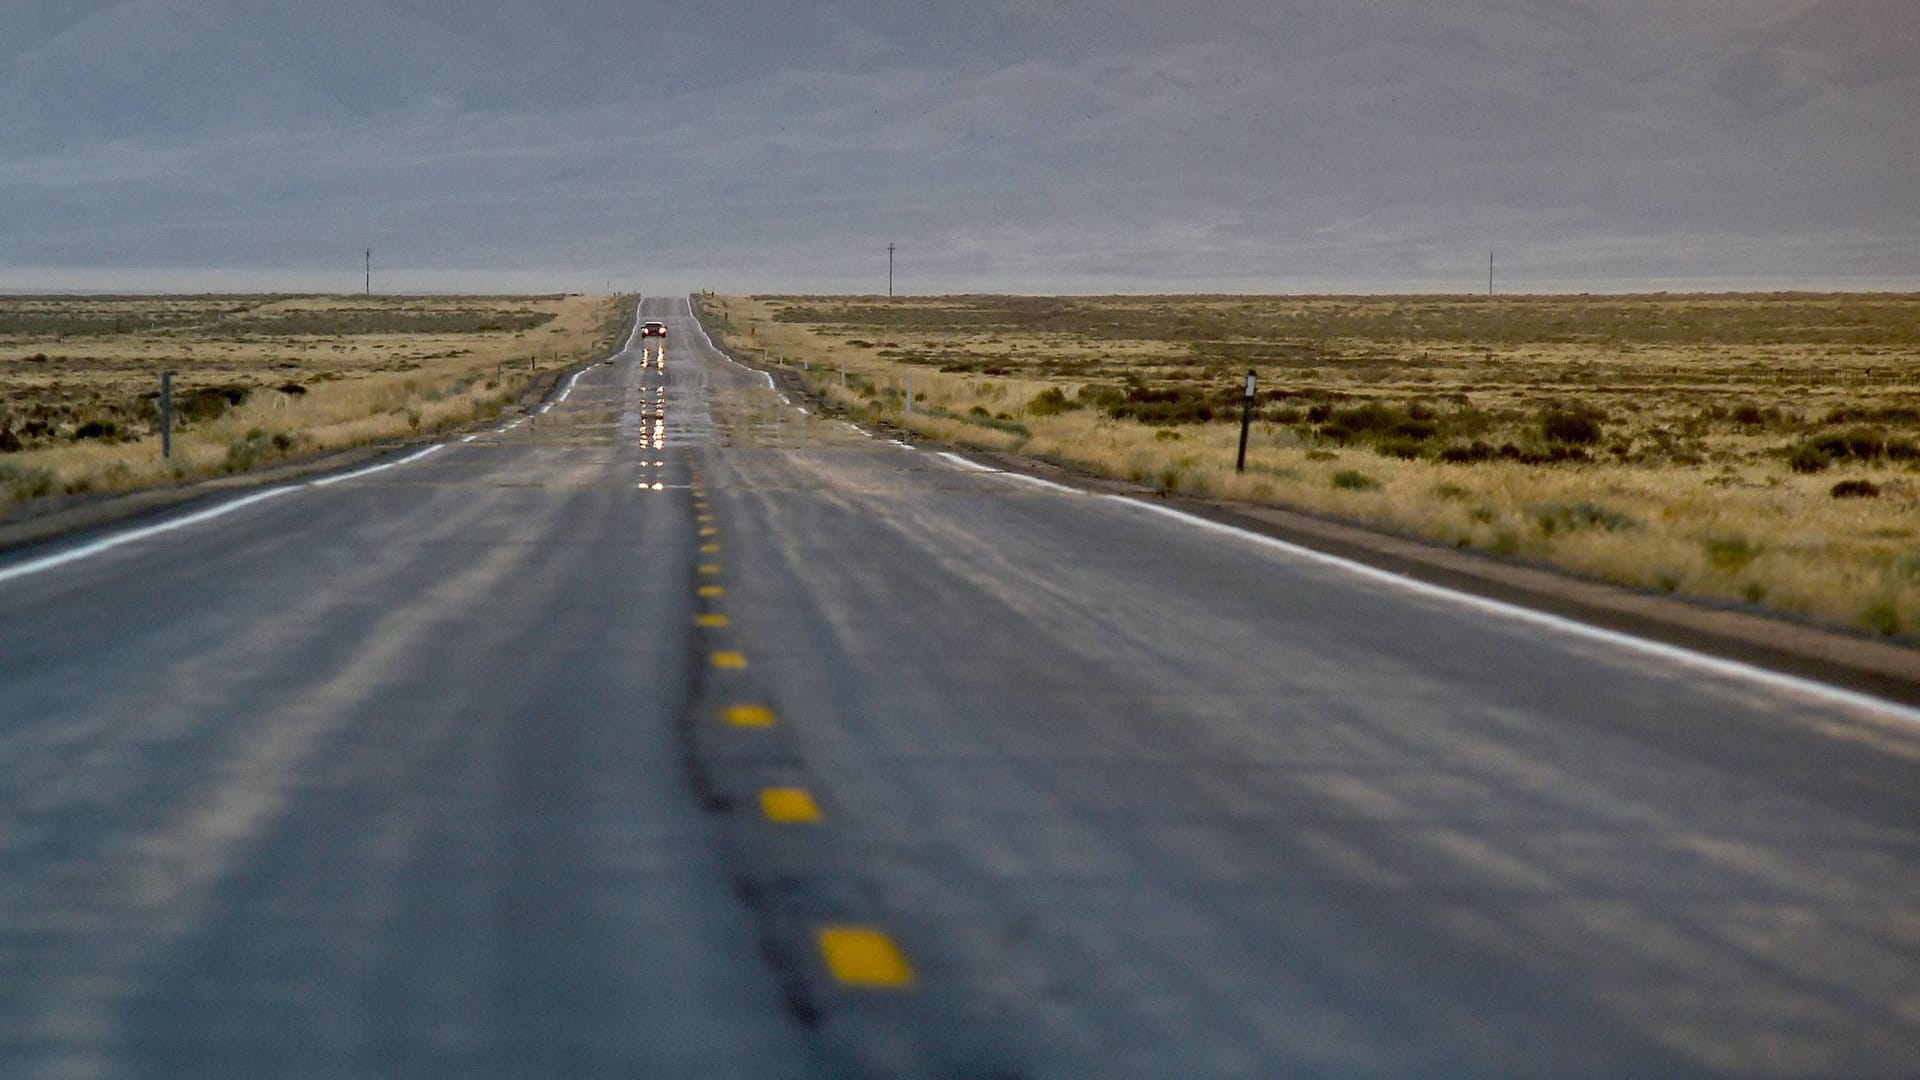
x=1489 y=273
x=889 y=270
x=369 y=271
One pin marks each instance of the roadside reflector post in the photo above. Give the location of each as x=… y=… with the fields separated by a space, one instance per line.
x=1246 y=423
x=166 y=414
x=909 y=394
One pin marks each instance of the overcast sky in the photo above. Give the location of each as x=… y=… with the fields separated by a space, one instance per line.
x=1023 y=145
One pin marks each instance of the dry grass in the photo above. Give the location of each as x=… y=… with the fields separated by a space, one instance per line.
x=259 y=379
x=1690 y=444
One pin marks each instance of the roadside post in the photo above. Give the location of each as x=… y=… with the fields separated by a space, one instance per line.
x=909 y=395
x=1246 y=422
x=166 y=414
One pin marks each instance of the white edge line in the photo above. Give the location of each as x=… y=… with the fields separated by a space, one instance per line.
x=635 y=335
x=1733 y=669
x=973 y=466
x=964 y=463
x=1040 y=483
x=567 y=390
x=722 y=354
x=329 y=481
x=86 y=551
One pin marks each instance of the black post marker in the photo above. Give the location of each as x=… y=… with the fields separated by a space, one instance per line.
x=166 y=414
x=1246 y=422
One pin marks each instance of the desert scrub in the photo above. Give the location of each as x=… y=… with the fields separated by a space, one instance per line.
x=1731 y=554
x=1855 y=489
x=1628 y=438
x=23 y=482
x=1577 y=424
x=1355 y=480
x=1572 y=517
x=79 y=376
x=1051 y=402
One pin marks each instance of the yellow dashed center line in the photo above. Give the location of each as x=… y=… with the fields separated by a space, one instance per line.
x=864 y=957
x=789 y=806
x=750 y=716
x=861 y=957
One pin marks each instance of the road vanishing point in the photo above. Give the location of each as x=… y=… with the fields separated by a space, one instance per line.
x=674 y=731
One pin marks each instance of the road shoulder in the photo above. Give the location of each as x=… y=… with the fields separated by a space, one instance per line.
x=1773 y=641
x=58 y=518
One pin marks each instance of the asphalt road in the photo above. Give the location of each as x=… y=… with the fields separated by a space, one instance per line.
x=676 y=732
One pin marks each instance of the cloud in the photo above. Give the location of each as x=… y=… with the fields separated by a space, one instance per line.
x=1119 y=145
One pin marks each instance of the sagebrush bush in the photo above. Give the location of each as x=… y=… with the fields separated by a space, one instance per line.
x=1882 y=616
x=1731 y=553
x=1572 y=424
x=1051 y=402
x=22 y=482
x=1572 y=517
x=1856 y=444
x=1808 y=458
x=1468 y=453
x=1855 y=489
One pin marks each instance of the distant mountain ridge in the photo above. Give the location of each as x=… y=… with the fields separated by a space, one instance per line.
x=1026 y=138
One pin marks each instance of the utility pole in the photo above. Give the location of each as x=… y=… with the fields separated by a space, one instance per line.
x=369 y=271
x=1489 y=273
x=889 y=270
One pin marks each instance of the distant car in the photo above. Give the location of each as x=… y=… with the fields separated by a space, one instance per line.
x=653 y=329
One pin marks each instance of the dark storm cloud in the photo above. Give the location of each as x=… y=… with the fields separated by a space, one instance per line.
x=1019 y=145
